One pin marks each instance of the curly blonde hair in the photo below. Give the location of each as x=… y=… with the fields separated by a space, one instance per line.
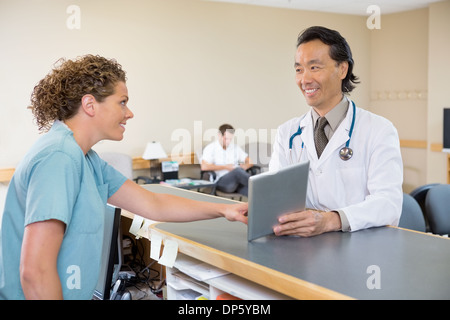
x=58 y=95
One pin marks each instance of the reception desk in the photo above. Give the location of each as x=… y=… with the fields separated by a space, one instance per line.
x=377 y=263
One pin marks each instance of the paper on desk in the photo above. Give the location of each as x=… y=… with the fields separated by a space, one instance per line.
x=139 y=227
x=155 y=246
x=198 y=270
x=181 y=281
x=169 y=254
x=144 y=231
x=170 y=250
x=136 y=224
x=202 y=271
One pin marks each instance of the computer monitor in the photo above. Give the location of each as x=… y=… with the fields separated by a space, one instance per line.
x=169 y=170
x=111 y=254
x=446 y=127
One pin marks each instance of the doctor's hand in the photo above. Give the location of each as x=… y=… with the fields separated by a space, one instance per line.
x=307 y=223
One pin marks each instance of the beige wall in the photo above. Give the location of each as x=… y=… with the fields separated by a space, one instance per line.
x=193 y=65
x=399 y=83
x=409 y=85
x=438 y=86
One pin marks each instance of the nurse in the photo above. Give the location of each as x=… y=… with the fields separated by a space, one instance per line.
x=55 y=205
x=356 y=171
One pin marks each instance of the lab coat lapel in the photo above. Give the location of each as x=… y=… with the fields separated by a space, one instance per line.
x=308 y=136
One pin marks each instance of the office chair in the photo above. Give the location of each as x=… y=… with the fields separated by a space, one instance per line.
x=437 y=204
x=412 y=216
x=119 y=161
x=260 y=153
x=211 y=176
x=420 y=193
x=124 y=164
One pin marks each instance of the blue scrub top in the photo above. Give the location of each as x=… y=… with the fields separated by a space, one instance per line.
x=55 y=180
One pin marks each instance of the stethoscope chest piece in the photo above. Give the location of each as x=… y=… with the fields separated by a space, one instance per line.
x=346 y=153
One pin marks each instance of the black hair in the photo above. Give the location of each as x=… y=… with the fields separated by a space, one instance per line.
x=339 y=51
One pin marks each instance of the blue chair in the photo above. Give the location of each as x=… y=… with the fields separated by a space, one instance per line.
x=437 y=204
x=420 y=194
x=412 y=216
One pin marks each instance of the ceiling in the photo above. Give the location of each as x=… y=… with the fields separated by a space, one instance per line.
x=355 y=7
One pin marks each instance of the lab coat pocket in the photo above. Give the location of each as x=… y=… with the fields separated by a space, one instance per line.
x=353 y=181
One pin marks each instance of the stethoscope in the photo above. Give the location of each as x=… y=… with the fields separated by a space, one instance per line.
x=345 y=153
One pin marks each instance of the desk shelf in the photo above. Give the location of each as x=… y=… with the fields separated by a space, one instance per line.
x=182 y=286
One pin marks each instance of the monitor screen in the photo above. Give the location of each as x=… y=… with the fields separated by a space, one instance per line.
x=111 y=254
x=446 y=127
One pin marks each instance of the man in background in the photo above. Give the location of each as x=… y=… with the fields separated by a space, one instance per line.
x=228 y=161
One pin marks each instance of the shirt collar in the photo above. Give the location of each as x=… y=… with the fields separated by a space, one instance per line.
x=335 y=115
x=59 y=125
x=219 y=145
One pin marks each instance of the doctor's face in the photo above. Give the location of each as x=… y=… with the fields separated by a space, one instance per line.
x=318 y=76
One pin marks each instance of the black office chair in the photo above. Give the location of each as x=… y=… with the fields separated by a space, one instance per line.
x=420 y=193
x=412 y=216
x=260 y=153
x=437 y=204
x=211 y=176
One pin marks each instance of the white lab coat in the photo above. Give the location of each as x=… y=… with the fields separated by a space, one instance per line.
x=368 y=187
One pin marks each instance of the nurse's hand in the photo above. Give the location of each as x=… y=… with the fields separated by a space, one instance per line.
x=236 y=212
x=307 y=223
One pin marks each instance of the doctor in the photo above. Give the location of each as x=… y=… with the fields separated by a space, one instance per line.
x=355 y=182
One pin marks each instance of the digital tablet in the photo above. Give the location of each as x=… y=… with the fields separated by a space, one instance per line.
x=272 y=194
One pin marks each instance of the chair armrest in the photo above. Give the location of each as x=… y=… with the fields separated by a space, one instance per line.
x=254 y=170
x=208 y=175
x=147 y=180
